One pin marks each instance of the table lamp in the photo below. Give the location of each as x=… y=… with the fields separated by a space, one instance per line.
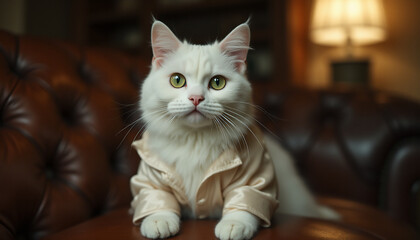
x=348 y=23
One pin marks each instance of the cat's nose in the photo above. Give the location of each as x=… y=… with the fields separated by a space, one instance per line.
x=196 y=99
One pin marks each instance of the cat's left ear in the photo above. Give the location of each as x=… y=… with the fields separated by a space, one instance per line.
x=236 y=45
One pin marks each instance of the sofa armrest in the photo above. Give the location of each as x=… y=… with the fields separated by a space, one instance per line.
x=367 y=141
x=402 y=181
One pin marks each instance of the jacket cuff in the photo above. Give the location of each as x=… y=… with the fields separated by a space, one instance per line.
x=152 y=202
x=258 y=203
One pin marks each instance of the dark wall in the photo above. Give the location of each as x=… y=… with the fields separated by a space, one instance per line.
x=48 y=18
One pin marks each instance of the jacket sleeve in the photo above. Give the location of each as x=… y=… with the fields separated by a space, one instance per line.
x=253 y=188
x=150 y=194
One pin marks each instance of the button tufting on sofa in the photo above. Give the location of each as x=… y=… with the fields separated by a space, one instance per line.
x=59 y=161
x=85 y=72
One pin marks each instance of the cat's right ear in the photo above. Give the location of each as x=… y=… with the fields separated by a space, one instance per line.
x=163 y=42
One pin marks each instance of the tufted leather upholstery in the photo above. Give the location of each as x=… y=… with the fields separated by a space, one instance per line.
x=66 y=117
x=65 y=134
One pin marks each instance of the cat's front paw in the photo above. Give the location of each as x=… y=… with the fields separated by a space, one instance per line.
x=160 y=225
x=233 y=230
x=237 y=226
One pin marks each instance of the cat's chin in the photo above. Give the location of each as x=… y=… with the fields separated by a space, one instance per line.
x=197 y=120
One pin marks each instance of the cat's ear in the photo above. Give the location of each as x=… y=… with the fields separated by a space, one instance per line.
x=163 y=42
x=236 y=45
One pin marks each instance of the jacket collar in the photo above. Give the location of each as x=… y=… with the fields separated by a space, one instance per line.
x=229 y=159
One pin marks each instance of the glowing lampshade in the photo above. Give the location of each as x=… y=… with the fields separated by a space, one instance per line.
x=351 y=22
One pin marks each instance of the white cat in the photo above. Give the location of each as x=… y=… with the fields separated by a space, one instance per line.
x=202 y=154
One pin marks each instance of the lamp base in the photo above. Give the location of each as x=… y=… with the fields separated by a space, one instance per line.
x=351 y=72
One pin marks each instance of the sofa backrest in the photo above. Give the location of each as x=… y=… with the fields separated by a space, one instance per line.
x=67 y=119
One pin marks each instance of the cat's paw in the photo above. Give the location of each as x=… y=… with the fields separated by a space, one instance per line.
x=160 y=225
x=237 y=226
x=233 y=230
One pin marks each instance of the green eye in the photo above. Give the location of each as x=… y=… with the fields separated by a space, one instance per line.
x=177 y=80
x=217 y=82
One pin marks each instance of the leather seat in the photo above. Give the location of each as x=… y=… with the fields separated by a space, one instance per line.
x=68 y=115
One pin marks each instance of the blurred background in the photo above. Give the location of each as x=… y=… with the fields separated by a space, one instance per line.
x=283 y=54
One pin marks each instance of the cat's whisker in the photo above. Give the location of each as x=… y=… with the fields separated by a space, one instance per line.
x=128 y=107
x=235 y=129
x=133 y=124
x=172 y=119
x=221 y=129
x=245 y=125
x=233 y=111
x=212 y=109
x=146 y=124
x=261 y=109
x=243 y=141
x=225 y=135
x=138 y=132
x=128 y=126
x=230 y=132
x=133 y=112
x=162 y=112
x=138 y=120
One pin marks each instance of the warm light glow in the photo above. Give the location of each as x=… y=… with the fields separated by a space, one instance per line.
x=339 y=22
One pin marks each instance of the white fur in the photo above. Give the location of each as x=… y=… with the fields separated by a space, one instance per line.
x=190 y=141
x=294 y=198
x=160 y=225
x=237 y=225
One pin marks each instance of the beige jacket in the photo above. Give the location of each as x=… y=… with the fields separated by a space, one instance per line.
x=234 y=182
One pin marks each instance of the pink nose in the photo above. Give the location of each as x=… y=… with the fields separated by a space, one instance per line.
x=196 y=99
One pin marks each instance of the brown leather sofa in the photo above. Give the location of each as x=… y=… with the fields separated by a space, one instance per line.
x=66 y=125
